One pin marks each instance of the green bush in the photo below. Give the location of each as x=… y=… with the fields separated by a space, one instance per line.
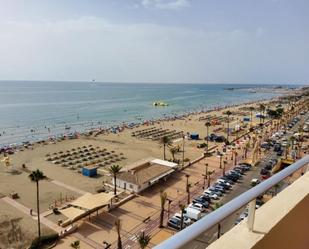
x=46 y=239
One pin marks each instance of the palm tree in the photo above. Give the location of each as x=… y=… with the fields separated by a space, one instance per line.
x=228 y=113
x=163 y=198
x=207 y=124
x=114 y=170
x=182 y=210
x=143 y=240
x=166 y=141
x=118 y=227
x=36 y=176
x=173 y=151
x=75 y=244
x=188 y=185
x=209 y=173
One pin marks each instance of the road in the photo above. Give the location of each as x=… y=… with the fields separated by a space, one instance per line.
x=207 y=238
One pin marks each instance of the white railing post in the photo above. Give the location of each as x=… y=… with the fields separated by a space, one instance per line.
x=251 y=214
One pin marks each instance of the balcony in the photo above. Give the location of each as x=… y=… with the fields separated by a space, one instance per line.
x=280 y=223
x=283 y=222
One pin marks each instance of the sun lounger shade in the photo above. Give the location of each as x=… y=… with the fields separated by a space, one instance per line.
x=72 y=213
x=90 y=201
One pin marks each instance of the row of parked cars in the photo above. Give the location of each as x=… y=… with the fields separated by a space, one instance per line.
x=268 y=166
x=201 y=205
x=244 y=214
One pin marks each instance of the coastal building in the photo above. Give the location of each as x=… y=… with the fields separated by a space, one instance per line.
x=143 y=174
x=85 y=205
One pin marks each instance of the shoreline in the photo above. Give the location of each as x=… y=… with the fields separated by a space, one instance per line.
x=119 y=127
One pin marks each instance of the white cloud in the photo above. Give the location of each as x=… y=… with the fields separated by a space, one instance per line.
x=165 y=4
x=91 y=47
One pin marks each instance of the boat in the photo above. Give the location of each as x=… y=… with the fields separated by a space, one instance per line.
x=160 y=103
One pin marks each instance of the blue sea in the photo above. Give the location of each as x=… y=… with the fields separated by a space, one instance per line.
x=34 y=110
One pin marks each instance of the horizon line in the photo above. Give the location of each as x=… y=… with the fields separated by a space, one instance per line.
x=162 y=83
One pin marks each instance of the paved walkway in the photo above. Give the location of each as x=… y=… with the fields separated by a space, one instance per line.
x=26 y=211
x=49 y=223
x=61 y=184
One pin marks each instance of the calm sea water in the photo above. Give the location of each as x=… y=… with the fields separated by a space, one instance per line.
x=48 y=107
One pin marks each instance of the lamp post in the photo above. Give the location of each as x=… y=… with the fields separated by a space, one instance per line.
x=209 y=178
x=224 y=163
x=168 y=208
x=188 y=188
x=207 y=124
x=205 y=175
x=220 y=162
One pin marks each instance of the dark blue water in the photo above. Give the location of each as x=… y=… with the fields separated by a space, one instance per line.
x=54 y=105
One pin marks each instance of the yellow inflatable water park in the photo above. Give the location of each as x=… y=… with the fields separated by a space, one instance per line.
x=160 y=103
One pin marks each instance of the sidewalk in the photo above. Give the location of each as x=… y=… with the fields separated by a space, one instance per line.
x=26 y=211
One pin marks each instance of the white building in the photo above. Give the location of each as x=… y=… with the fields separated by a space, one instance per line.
x=144 y=173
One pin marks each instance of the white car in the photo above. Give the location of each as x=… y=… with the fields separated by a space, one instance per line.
x=197 y=206
x=284 y=144
x=225 y=182
x=211 y=195
x=187 y=221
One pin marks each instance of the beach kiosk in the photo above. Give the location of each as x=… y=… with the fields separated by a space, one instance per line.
x=194 y=136
x=90 y=171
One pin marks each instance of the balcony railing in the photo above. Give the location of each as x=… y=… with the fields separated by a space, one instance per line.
x=193 y=231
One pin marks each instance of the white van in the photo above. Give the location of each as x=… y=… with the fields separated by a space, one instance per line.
x=192 y=213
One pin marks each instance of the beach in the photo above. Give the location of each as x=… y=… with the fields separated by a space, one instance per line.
x=66 y=183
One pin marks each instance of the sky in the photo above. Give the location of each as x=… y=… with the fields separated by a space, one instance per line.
x=163 y=41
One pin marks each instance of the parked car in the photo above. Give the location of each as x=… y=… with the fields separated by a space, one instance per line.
x=206 y=198
x=219 y=188
x=216 y=190
x=192 y=214
x=174 y=223
x=224 y=183
x=235 y=173
x=211 y=195
x=225 y=179
x=212 y=192
x=231 y=177
x=186 y=220
x=201 y=201
x=266 y=175
x=198 y=206
x=277 y=147
x=265 y=145
x=264 y=171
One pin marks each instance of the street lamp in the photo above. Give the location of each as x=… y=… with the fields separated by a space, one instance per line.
x=205 y=175
x=220 y=155
x=168 y=208
x=188 y=188
x=224 y=163
x=207 y=124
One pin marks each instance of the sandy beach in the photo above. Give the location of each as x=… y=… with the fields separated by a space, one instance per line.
x=64 y=184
